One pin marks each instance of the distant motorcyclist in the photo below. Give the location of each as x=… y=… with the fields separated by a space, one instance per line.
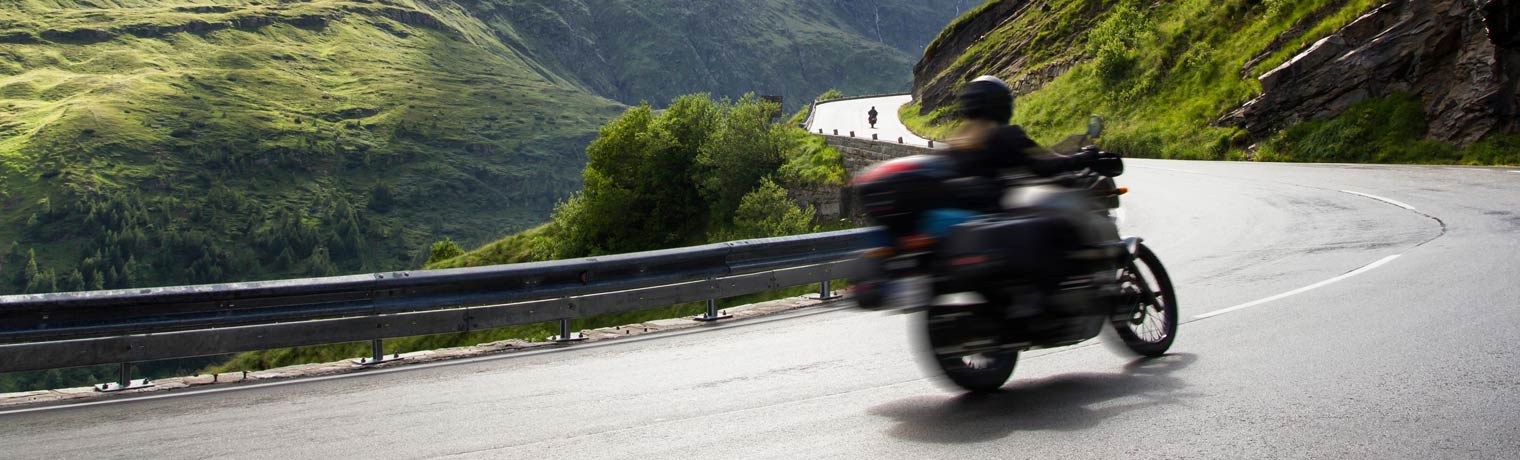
x=987 y=145
x=871 y=116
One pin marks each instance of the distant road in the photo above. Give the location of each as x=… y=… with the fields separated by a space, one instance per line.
x=850 y=115
x=1340 y=323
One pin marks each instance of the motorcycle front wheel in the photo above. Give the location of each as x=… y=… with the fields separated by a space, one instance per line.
x=1148 y=297
x=964 y=341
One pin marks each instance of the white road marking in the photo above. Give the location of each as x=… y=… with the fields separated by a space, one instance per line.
x=1385 y=200
x=1515 y=170
x=1364 y=269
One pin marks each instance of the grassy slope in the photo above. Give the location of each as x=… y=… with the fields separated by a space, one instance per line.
x=1161 y=78
x=290 y=114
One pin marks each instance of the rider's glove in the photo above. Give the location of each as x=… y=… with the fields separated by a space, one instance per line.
x=1087 y=156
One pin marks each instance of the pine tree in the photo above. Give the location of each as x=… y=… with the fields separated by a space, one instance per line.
x=75 y=281
x=97 y=281
x=129 y=273
x=29 y=272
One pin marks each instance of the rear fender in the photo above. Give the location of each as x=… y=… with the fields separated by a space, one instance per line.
x=1132 y=247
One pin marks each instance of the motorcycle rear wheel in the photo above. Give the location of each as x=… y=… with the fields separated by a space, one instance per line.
x=1148 y=291
x=964 y=346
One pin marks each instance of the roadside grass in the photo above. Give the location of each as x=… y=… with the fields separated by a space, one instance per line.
x=938 y=125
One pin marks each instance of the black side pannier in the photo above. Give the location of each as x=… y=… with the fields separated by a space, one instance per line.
x=1000 y=246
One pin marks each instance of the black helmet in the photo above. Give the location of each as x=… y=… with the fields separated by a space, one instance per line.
x=986 y=98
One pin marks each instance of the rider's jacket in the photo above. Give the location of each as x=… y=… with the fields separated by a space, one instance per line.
x=1007 y=147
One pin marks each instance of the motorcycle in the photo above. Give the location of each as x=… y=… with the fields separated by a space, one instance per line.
x=1039 y=264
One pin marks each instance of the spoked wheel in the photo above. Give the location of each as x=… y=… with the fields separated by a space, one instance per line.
x=966 y=345
x=1147 y=293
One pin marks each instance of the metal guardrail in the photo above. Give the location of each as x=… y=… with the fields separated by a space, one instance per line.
x=48 y=331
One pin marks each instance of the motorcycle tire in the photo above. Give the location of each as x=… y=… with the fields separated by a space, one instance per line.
x=1154 y=326
x=948 y=329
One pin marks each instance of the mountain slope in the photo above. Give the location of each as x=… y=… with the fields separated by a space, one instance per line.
x=1398 y=81
x=146 y=143
x=640 y=50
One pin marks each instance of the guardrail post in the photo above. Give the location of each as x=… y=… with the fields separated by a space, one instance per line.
x=124 y=381
x=826 y=293
x=712 y=313
x=564 y=333
x=378 y=355
x=873 y=137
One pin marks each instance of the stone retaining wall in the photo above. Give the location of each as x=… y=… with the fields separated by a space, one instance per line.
x=858 y=154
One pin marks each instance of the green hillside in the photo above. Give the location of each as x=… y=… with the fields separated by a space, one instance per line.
x=1163 y=74
x=144 y=144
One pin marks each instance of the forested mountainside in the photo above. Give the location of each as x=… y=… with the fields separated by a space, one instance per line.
x=638 y=50
x=152 y=142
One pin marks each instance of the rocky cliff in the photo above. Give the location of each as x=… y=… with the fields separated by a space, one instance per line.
x=1207 y=80
x=1461 y=58
x=1018 y=39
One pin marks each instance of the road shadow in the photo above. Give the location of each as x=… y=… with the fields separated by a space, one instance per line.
x=1065 y=402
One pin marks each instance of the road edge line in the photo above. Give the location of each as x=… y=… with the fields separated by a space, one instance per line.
x=1385 y=200
x=1342 y=277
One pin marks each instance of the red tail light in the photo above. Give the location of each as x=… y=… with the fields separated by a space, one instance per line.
x=969 y=260
x=915 y=242
x=885 y=169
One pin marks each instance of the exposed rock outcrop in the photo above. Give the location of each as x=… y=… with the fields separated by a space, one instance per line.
x=1031 y=56
x=1459 y=56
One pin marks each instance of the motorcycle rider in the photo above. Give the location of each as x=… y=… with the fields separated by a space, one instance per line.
x=871 y=117
x=987 y=144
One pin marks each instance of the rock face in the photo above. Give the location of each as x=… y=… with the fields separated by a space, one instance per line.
x=945 y=67
x=1461 y=57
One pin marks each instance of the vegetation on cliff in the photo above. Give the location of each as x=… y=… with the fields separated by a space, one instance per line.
x=1162 y=74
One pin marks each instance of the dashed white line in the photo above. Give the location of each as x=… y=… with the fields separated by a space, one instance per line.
x=1515 y=170
x=1364 y=269
x=1385 y=200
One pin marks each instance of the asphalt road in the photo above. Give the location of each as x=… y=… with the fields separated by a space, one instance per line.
x=1413 y=358
x=850 y=115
